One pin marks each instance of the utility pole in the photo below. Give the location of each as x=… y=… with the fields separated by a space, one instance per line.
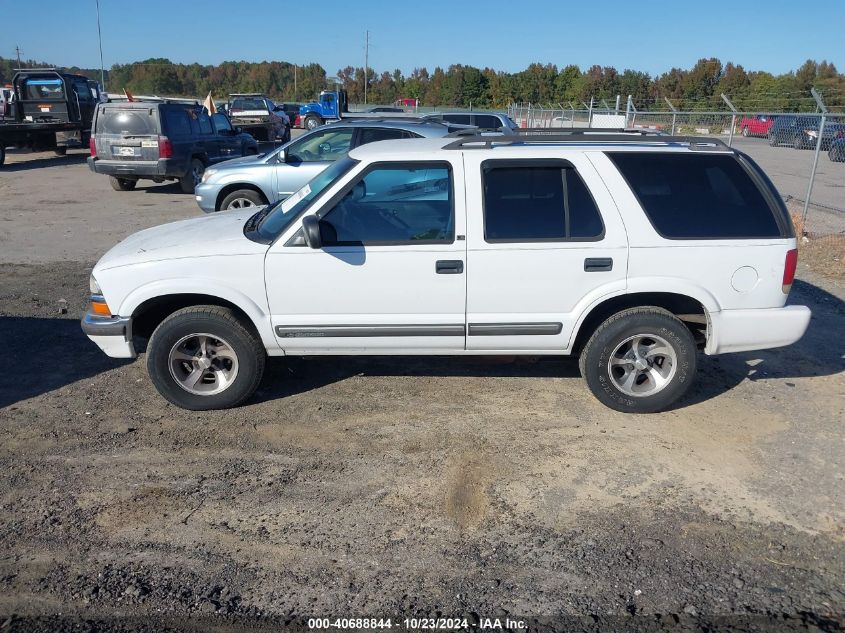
x=100 y=38
x=366 y=63
x=294 y=82
x=18 y=51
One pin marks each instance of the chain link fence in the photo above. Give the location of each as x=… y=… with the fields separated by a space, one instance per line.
x=803 y=154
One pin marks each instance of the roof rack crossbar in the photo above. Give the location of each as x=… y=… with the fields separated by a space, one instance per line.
x=464 y=140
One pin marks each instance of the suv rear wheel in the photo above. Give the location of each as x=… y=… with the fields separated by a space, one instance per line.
x=189 y=181
x=122 y=184
x=204 y=357
x=639 y=360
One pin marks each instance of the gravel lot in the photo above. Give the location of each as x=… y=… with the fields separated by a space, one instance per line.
x=393 y=487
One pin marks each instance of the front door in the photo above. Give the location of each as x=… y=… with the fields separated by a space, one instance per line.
x=544 y=240
x=391 y=275
x=307 y=156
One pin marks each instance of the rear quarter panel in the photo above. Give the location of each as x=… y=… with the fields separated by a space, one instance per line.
x=722 y=274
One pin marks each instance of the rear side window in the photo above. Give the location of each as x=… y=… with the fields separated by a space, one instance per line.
x=371 y=135
x=462 y=119
x=697 y=196
x=126 y=121
x=488 y=121
x=537 y=202
x=177 y=121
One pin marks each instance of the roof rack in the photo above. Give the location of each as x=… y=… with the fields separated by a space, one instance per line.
x=470 y=139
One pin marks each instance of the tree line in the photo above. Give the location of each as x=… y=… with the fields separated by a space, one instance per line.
x=697 y=88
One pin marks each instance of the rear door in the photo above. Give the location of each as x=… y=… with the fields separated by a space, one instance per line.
x=307 y=156
x=544 y=239
x=127 y=132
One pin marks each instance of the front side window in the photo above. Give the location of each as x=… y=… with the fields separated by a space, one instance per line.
x=220 y=122
x=537 y=202
x=322 y=146
x=697 y=196
x=409 y=203
x=279 y=215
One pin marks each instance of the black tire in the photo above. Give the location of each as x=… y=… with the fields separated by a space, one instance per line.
x=312 y=122
x=2 y=155
x=797 y=142
x=286 y=136
x=613 y=333
x=834 y=154
x=241 y=199
x=745 y=132
x=122 y=184
x=189 y=181
x=217 y=324
x=61 y=150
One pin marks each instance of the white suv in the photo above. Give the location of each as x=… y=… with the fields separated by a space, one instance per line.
x=631 y=251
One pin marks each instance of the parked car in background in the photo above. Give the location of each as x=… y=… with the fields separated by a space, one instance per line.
x=135 y=140
x=757 y=125
x=628 y=252
x=265 y=179
x=291 y=110
x=257 y=115
x=836 y=153
x=483 y=120
x=802 y=132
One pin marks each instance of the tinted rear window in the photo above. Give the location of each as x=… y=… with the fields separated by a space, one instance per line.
x=697 y=196
x=178 y=121
x=126 y=121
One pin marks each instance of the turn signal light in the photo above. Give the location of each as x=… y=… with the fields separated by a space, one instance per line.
x=165 y=147
x=92 y=146
x=100 y=307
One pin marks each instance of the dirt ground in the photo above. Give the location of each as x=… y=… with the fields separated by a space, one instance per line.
x=395 y=487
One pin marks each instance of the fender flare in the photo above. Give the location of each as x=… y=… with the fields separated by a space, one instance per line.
x=257 y=314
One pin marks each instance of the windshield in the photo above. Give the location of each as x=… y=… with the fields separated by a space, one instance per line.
x=280 y=215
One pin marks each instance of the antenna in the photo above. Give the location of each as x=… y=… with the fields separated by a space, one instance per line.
x=366 y=63
x=100 y=38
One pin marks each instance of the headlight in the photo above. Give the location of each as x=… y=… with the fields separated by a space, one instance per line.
x=811 y=133
x=94 y=286
x=208 y=174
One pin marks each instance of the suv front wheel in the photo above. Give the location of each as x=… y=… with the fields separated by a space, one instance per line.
x=204 y=357
x=640 y=360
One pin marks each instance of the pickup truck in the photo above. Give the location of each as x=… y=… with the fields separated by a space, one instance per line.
x=469 y=245
x=258 y=116
x=333 y=105
x=48 y=110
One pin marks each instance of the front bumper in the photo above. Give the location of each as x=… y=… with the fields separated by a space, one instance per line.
x=112 y=335
x=206 y=196
x=747 y=330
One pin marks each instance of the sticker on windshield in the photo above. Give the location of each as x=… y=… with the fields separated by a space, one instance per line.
x=291 y=200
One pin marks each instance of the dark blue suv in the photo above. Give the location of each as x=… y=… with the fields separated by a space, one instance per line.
x=161 y=141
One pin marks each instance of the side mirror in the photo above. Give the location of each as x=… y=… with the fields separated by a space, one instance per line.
x=311 y=230
x=238 y=129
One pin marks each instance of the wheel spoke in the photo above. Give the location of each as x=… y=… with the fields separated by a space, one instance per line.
x=617 y=361
x=629 y=379
x=180 y=355
x=193 y=379
x=658 y=350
